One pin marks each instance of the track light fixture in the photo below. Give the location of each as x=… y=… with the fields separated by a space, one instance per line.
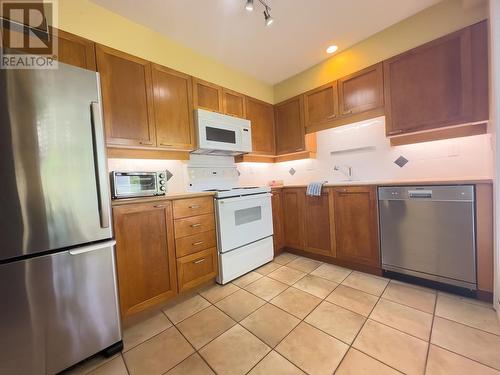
x=267 y=11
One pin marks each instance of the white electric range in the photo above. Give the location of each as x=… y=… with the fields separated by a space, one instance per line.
x=244 y=220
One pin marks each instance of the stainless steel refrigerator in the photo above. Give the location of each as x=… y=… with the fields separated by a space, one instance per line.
x=58 y=288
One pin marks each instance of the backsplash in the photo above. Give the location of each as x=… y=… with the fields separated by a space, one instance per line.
x=364 y=147
x=361 y=146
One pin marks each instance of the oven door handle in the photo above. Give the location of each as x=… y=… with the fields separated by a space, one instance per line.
x=244 y=198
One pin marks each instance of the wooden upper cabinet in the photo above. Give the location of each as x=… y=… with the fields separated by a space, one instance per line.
x=277 y=205
x=318 y=223
x=75 y=50
x=127 y=96
x=173 y=109
x=361 y=91
x=441 y=83
x=321 y=105
x=207 y=96
x=261 y=115
x=356 y=225
x=289 y=122
x=145 y=255
x=293 y=214
x=233 y=103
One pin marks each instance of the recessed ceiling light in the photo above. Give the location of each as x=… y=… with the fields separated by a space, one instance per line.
x=332 y=49
x=249 y=5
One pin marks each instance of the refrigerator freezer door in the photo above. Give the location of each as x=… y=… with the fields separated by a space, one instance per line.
x=58 y=309
x=54 y=190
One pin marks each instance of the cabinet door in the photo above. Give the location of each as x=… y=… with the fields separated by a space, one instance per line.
x=293 y=214
x=321 y=105
x=233 y=103
x=318 y=224
x=290 y=133
x=438 y=84
x=261 y=115
x=207 y=95
x=127 y=96
x=173 y=109
x=278 y=237
x=75 y=50
x=145 y=255
x=361 y=91
x=356 y=225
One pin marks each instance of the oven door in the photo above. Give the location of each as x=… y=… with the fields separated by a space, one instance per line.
x=134 y=184
x=242 y=220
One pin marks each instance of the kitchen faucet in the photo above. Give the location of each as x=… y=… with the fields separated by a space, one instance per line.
x=345 y=170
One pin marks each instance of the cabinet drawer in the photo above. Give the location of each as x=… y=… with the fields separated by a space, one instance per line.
x=197 y=242
x=195 y=269
x=193 y=206
x=193 y=225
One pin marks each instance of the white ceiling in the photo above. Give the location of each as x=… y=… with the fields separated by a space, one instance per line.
x=225 y=31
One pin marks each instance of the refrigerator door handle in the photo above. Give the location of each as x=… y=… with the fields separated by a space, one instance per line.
x=100 y=163
x=86 y=249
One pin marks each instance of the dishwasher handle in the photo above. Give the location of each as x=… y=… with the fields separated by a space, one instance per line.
x=419 y=194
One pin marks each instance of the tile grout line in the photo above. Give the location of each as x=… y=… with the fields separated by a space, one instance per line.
x=430 y=334
x=463 y=356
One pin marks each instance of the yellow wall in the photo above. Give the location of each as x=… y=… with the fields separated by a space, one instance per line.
x=86 y=19
x=425 y=26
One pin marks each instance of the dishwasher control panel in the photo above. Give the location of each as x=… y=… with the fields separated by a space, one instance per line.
x=434 y=192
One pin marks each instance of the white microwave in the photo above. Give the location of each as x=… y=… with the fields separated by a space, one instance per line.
x=219 y=134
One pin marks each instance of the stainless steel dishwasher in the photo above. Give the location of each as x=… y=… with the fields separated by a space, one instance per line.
x=429 y=232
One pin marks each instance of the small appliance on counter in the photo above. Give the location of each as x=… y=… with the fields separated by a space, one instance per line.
x=138 y=184
x=244 y=220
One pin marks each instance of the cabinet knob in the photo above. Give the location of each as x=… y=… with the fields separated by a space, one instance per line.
x=332 y=116
x=195 y=225
x=197 y=243
x=195 y=206
x=349 y=112
x=160 y=206
x=199 y=261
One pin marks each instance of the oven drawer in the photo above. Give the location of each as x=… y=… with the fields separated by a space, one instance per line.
x=193 y=225
x=193 y=206
x=197 y=242
x=197 y=268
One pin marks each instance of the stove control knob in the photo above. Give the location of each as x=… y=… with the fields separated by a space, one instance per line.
x=162 y=188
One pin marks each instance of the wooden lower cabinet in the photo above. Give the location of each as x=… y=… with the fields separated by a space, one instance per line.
x=158 y=256
x=356 y=225
x=197 y=268
x=340 y=226
x=277 y=206
x=293 y=209
x=318 y=224
x=145 y=255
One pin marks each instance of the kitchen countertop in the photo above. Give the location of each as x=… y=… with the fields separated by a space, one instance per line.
x=453 y=181
x=168 y=196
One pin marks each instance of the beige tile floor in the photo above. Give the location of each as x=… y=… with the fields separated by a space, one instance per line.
x=299 y=316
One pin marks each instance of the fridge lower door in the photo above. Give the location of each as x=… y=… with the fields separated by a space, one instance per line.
x=58 y=309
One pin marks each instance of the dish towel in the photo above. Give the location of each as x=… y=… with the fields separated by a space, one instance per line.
x=314 y=189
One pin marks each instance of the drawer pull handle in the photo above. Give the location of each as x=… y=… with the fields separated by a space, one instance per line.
x=348 y=112
x=160 y=206
x=166 y=144
x=332 y=116
x=195 y=225
x=195 y=206
x=197 y=243
x=199 y=261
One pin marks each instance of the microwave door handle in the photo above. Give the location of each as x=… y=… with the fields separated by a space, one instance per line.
x=100 y=164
